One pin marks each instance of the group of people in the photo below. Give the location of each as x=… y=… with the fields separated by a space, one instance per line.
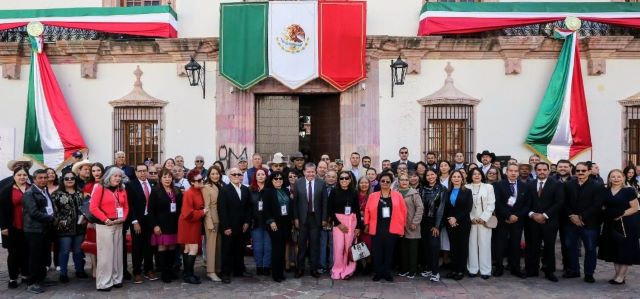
x=414 y=218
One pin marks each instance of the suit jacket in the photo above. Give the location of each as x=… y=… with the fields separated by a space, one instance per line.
x=211 y=195
x=464 y=204
x=585 y=201
x=520 y=208
x=484 y=206
x=35 y=217
x=301 y=201
x=361 y=172
x=410 y=165
x=234 y=211
x=137 y=200
x=550 y=202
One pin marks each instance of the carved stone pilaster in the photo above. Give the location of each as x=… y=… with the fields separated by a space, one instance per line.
x=85 y=52
x=414 y=59
x=181 y=51
x=514 y=48
x=10 y=58
x=598 y=50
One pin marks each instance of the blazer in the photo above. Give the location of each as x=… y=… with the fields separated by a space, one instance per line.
x=361 y=172
x=520 y=208
x=464 y=204
x=410 y=165
x=585 y=201
x=234 y=211
x=550 y=202
x=160 y=210
x=398 y=213
x=137 y=201
x=36 y=219
x=485 y=203
x=415 y=210
x=6 y=206
x=272 y=208
x=211 y=218
x=301 y=202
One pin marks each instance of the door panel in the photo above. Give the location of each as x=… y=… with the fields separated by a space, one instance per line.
x=276 y=125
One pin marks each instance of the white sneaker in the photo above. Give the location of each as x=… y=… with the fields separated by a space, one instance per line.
x=435 y=278
x=425 y=274
x=403 y=274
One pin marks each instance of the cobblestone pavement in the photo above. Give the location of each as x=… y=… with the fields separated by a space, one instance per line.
x=358 y=287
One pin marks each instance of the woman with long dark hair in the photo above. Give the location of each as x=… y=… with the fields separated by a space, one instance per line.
x=433 y=196
x=278 y=211
x=260 y=241
x=344 y=213
x=11 y=224
x=456 y=212
x=210 y=192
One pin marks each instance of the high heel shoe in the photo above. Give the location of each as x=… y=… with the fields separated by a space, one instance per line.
x=614 y=282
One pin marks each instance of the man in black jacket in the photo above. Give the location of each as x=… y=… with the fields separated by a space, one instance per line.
x=38 y=217
x=546 y=197
x=583 y=206
x=404 y=158
x=512 y=208
x=138 y=191
x=234 y=211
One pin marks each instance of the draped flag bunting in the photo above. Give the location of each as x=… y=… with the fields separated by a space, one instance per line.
x=153 y=21
x=51 y=135
x=301 y=40
x=243 y=36
x=293 y=42
x=560 y=129
x=342 y=42
x=469 y=17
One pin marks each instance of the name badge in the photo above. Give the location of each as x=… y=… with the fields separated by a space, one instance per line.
x=347 y=210
x=173 y=207
x=512 y=201
x=260 y=206
x=386 y=212
x=283 y=210
x=49 y=210
x=120 y=212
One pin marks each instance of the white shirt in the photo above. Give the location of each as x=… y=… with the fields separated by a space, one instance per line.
x=313 y=192
x=238 y=190
x=540 y=187
x=485 y=168
x=183 y=183
x=356 y=172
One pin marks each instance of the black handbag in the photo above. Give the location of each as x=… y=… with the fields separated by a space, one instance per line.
x=87 y=212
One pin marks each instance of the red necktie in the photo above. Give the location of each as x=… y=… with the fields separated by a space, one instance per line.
x=145 y=186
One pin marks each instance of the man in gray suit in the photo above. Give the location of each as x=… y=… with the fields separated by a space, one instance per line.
x=309 y=214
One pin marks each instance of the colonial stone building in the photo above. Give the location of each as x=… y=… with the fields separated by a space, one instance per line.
x=461 y=92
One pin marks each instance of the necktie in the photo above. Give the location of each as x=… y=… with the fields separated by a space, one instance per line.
x=145 y=186
x=512 y=186
x=540 y=189
x=309 y=197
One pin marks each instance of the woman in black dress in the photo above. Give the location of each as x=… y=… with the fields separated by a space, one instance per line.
x=619 y=240
x=456 y=212
x=277 y=213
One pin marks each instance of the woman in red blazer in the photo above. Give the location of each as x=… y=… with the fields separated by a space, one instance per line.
x=385 y=216
x=190 y=224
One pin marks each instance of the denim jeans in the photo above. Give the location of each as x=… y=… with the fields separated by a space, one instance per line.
x=326 y=249
x=261 y=244
x=69 y=244
x=589 y=237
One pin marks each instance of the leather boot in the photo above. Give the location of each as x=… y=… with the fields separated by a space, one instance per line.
x=166 y=265
x=189 y=263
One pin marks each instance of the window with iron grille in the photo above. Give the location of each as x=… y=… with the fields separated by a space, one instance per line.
x=631 y=150
x=449 y=130
x=138 y=132
x=141 y=2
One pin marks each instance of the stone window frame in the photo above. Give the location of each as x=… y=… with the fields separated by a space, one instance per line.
x=119 y=3
x=630 y=112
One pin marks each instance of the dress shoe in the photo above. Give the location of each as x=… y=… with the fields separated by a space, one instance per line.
x=518 y=274
x=551 y=277
x=104 y=290
x=259 y=271
x=498 y=272
x=266 y=271
x=226 y=280
x=315 y=274
x=614 y=282
x=82 y=275
x=213 y=277
x=35 y=289
x=531 y=274
x=450 y=275
x=376 y=278
x=277 y=279
x=138 y=279
x=299 y=274
x=570 y=275
x=243 y=274
x=473 y=275
x=117 y=285
x=126 y=275
x=485 y=277
x=13 y=284
x=64 y=278
x=589 y=278
x=151 y=276
x=458 y=276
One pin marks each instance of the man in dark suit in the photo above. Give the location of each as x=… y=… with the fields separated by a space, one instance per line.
x=512 y=208
x=583 y=206
x=309 y=214
x=138 y=191
x=404 y=158
x=546 y=198
x=563 y=175
x=234 y=211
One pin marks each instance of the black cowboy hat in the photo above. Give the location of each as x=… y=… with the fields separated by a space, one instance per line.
x=488 y=153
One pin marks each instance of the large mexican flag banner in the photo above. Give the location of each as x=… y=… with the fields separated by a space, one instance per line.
x=293 y=42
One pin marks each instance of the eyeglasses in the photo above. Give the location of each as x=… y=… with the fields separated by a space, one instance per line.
x=199 y=161
x=385 y=181
x=277 y=179
x=69 y=178
x=197 y=181
x=492 y=173
x=344 y=178
x=404 y=152
x=581 y=170
x=236 y=174
x=153 y=172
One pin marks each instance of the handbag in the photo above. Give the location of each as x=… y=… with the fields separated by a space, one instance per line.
x=493 y=220
x=358 y=251
x=87 y=212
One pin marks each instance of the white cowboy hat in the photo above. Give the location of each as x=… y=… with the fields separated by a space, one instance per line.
x=277 y=159
x=76 y=166
x=12 y=163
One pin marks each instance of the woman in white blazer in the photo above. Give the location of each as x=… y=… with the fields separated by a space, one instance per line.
x=480 y=238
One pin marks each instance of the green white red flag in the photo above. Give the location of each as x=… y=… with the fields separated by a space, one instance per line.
x=561 y=129
x=51 y=135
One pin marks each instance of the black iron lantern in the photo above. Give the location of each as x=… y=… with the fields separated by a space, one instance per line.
x=398 y=72
x=196 y=74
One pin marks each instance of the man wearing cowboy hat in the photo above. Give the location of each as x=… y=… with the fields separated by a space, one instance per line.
x=277 y=164
x=486 y=158
x=298 y=164
x=77 y=157
x=82 y=170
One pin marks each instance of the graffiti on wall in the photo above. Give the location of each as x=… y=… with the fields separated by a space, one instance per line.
x=228 y=156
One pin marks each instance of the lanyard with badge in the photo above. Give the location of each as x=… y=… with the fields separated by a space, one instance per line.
x=119 y=209
x=386 y=210
x=49 y=207
x=260 y=202
x=347 y=208
x=172 y=206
